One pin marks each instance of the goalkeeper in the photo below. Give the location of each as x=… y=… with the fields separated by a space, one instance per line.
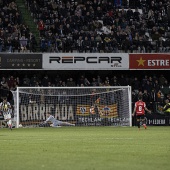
x=5 y=107
x=55 y=122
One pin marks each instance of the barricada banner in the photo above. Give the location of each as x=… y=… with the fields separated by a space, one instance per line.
x=149 y=61
x=86 y=61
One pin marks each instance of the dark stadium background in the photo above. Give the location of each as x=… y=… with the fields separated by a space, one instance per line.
x=64 y=75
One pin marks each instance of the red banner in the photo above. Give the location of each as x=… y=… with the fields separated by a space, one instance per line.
x=149 y=61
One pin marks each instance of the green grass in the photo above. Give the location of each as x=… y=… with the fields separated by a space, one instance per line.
x=85 y=148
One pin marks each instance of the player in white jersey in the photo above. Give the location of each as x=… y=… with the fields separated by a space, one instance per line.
x=55 y=122
x=5 y=108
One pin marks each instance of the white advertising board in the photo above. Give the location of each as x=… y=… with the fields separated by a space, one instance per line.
x=86 y=61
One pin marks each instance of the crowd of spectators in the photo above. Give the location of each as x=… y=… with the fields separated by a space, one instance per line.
x=154 y=88
x=15 y=35
x=87 y=26
x=102 y=25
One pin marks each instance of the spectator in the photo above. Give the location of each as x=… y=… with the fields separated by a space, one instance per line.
x=43 y=44
x=148 y=86
x=81 y=80
x=32 y=43
x=94 y=82
x=33 y=80
x=160 y=96
x=23 y=43
x=26 y=81
x=86 y=82
x=80 y=44
x=115 y=82
x=11 y=82
x=161 y=80
x=126 y=45
x=15 y=45
x=136 y=85
x=1 y=41
x=45 y=81
x=68 y=45
x=34 y=8
x=122 y=81
x=156 y=85
x=94 y=47
x=71 y=83
x=57 y=80
x=8 y=45
x=86 y=45
x=153 y=95
x=41 y=28
x=146 y=97
x=165 y=88
x=4 y=84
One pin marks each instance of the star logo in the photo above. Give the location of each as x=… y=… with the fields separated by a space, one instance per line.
x=141 y=61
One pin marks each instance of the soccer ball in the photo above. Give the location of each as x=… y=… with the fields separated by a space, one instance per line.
x=20 y=125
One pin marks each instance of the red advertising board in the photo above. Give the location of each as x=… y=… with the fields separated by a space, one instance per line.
x=149 y=61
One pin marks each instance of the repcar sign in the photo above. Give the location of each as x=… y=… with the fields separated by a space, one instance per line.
x=85 y=61
x=77 y=59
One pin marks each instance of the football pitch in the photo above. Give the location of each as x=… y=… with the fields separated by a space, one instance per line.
x=85 y=148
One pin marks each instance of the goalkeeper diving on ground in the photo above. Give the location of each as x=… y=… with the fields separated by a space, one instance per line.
x=55 y=122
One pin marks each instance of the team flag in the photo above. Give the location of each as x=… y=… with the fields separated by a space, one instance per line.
x=83 y=110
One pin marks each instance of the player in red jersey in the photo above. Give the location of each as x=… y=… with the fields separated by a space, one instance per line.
x=139 y=110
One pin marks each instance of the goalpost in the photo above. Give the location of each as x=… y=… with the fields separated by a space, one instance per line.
x=84 y=106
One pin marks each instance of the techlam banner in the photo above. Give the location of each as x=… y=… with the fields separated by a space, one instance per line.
x=149 y=61
x=86 y=61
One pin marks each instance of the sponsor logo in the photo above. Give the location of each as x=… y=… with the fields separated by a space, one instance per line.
x=154 y=62
x=106 y=108
x=82 y=110
x=89 y=60
x=158 y=62
x=149 y=61
x=141 y=62
x=21 y=61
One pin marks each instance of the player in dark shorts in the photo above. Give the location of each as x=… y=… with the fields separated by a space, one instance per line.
x=139 y=110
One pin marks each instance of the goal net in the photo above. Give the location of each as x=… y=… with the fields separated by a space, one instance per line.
x=84 y=106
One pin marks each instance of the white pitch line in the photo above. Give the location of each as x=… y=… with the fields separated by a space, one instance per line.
x=121 y=138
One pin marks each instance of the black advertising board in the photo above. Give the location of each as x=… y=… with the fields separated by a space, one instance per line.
x=20 y=61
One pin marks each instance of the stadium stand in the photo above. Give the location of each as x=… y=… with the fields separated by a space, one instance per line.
x=102 y=26
x=9 y=80
x=85 y=26
x=15 y=35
